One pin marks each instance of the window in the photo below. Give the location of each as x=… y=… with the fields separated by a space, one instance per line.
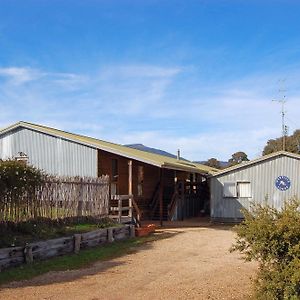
x=240 y=189
x=140 y=180
x=114 y=177
x=229 y=190
x=244 y=189
x=114 y=170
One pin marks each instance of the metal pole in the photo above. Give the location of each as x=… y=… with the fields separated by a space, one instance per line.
x=283 y=125
x=161 y=198
x=283 y=101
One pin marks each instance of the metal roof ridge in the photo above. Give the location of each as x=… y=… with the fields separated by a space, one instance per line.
x=93 y=142
x=256 y=160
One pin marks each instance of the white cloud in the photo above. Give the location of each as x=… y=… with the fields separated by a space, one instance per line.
x=164 y=107
x=20 y=75
x=144 y=71
x=204 y=145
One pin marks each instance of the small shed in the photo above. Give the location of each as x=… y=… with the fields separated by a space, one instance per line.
x=271 y=179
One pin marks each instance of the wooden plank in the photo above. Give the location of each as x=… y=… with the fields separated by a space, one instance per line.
x=124 y=208
x=94 y=242
x=94 y=238
x=54 y=247
x=11 y=252
x=11 y=262
x=45 y=249
x=121 y=233
x=94 y=234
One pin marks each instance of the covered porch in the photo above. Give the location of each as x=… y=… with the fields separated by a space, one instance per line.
x=144 y=192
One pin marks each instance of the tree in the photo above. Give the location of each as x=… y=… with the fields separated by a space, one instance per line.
x=292 y=144
x=237 y=158
x=214 y=163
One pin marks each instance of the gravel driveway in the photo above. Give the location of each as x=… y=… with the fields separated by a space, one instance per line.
x=192 y=263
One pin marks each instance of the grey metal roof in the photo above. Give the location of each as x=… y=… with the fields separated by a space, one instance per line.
x=255 y=161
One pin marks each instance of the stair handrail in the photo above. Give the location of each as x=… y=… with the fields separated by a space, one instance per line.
x=172 y=205
x=138 y=212
x=155 y=200
x=154 y=195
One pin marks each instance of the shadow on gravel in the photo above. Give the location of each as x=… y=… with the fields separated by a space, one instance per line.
x=91 y=268
x=195 y=223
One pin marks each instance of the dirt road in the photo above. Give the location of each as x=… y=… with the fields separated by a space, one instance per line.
x=192 y=263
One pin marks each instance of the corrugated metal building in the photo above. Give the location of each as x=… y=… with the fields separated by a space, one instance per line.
x=147 y=176
x=50 y=153
x=271 y=179
x=63 y=153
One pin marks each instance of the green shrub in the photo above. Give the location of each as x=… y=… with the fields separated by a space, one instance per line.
x=272 y=237
x=18 y=185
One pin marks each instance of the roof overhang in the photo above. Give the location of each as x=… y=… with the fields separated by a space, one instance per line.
x=256 y=161
x=180 y=166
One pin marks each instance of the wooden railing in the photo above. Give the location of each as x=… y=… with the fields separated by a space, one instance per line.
x=172 y=206
x=177 y=198
x=138 y=213
x=116 y=211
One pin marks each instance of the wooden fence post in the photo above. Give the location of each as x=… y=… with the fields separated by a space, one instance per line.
x=130 y=214
x=77 y=240
x=120 y=209
x=80 y=199
x=28 y=254
x=110 y=235
x=132 y=231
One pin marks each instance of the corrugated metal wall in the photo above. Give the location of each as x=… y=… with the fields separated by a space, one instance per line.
x=262 y=176
x=54 y=155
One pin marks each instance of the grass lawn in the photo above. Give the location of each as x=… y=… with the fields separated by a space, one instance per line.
x=75 y=261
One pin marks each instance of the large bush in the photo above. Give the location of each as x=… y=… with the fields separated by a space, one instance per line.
x=18 y=185
x=272 y=237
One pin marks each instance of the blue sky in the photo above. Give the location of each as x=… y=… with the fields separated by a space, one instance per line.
x=195 y=75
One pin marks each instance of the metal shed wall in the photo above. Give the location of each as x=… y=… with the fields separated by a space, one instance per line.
x=52 y=154
x=262 y=176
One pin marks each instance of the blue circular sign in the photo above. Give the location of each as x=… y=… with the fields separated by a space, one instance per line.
x=283 y=183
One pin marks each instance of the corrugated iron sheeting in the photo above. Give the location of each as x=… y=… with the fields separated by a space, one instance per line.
x=262 y=177
x=52 y=154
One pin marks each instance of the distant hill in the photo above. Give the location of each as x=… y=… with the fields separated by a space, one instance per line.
x=142 y=147
x=152 y=150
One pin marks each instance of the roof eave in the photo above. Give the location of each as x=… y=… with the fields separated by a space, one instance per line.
x=254 y=161
x=182 y=168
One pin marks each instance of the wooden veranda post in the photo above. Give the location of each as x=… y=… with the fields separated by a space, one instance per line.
x=130 y=187
x=161 y=197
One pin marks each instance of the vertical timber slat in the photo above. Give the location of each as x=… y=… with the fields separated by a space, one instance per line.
x=130 y=188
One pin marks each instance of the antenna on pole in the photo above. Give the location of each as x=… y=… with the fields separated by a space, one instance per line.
x=282 y=101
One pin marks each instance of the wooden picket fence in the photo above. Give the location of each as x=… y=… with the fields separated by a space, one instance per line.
x=58 y=198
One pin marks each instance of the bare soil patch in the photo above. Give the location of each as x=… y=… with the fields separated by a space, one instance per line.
x=192 y=263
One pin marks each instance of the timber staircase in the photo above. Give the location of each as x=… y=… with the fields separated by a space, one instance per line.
x=155 y=205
